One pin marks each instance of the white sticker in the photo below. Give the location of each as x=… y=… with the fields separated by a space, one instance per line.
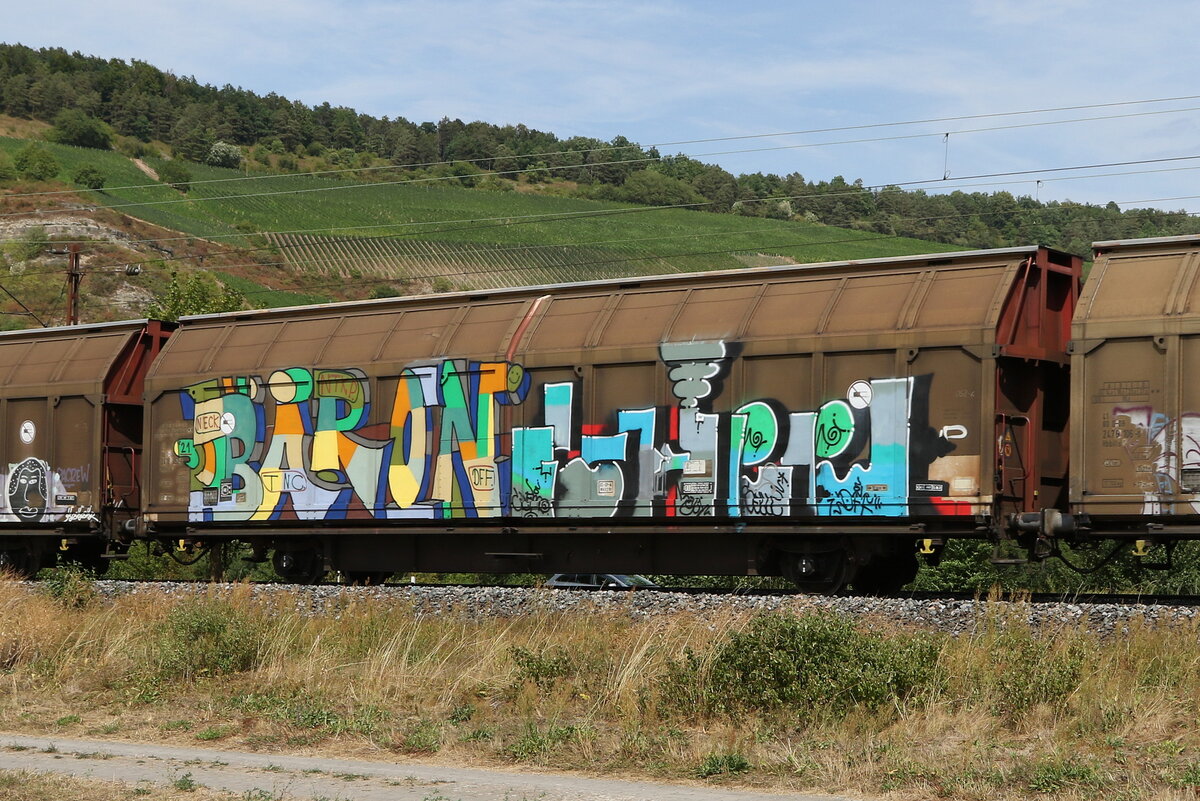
x=859 y=394
x=695 y=467
x=28 y=431
x=228 y=423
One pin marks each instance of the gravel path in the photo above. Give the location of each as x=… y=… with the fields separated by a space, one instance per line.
x=288 y=777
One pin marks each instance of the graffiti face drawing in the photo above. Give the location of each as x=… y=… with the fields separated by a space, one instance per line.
x=27 y=489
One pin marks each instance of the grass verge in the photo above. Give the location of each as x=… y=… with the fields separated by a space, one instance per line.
x=792 y=701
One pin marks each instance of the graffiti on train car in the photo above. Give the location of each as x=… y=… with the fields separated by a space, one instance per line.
x=1159 y=455
x=36 y=493
x=450 y=441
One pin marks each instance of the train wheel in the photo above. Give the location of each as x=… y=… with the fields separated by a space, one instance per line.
x=299 y=565
x=821 y=573
x=365 y=577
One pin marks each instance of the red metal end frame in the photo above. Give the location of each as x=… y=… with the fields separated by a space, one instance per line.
x=1014 y=456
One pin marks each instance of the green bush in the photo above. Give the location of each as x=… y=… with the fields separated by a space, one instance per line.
x=544 y=667
x=1037 y=670
x=89 y=177
x=74 y=127
x=423 y=738
x=175 y=174
x=8 y=170
x=206 y=638
x=72 y=586
x=36 y=163
x=717 y=764
x=816 y=665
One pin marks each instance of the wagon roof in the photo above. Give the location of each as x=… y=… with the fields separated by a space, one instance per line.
x=63 y=360
x=815 y=269
x=975 y=299
x=1140 y=287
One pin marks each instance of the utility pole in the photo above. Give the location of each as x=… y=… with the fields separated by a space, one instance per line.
x=74 y=277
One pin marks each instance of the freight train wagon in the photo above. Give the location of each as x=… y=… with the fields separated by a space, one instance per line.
x=71 y=440
x=1135 y=358
x=824 y=422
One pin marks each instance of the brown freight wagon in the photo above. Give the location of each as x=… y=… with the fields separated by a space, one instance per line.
x=1135 y=444
x=820 y=421
x=70 y=440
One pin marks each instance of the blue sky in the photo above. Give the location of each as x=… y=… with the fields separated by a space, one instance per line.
x=668 y=71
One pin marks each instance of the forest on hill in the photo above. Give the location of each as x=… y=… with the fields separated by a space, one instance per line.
x=135 y=107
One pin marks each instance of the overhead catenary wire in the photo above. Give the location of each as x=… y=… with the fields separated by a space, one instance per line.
x=593 y=263
x=542 y=168
x=458 y=225
x=558 y=217
x=857 y=190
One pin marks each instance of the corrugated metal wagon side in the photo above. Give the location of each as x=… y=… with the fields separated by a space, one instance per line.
x=70 y=439
x=818 y=421
x=1136 y=350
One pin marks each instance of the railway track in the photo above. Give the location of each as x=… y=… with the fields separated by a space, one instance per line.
x=957 y=596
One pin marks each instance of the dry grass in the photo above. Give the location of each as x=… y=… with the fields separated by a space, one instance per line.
x=1003 y=713
x=28 y=786
x=19 y=128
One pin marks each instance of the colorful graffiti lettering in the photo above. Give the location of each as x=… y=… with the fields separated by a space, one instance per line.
x=458 y=439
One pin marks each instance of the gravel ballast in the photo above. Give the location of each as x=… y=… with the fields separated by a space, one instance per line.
x=946 y=615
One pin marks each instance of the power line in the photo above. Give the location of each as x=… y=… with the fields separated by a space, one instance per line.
x=569 y=216
x=865 y=140
x=880 y=189
x=508 y=220
x=960 y=118
x=601 y=262
x=865 y=126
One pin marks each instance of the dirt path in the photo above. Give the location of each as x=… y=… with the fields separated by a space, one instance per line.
x=146 y=168
x=291 y=777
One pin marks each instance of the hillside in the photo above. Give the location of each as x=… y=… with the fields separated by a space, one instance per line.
x=141 y=110
x=287 y=239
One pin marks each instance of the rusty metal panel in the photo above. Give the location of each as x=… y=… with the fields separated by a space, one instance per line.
x=1122 y=428
x=73 y=360
x=1132 y=288
x=298 y=342
x=419 y=333
x=243 y=346
x=357 y=339
x=792 y=308
x=74 y=452
x=961 y=298
x=949 y=414
x=870 y=303
x=566 y=323
x=641 y=318
x=41 y=362
x=487 y=328
x=713 y=313
x=190 y=353
x=787 y=379
x=622 y=386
